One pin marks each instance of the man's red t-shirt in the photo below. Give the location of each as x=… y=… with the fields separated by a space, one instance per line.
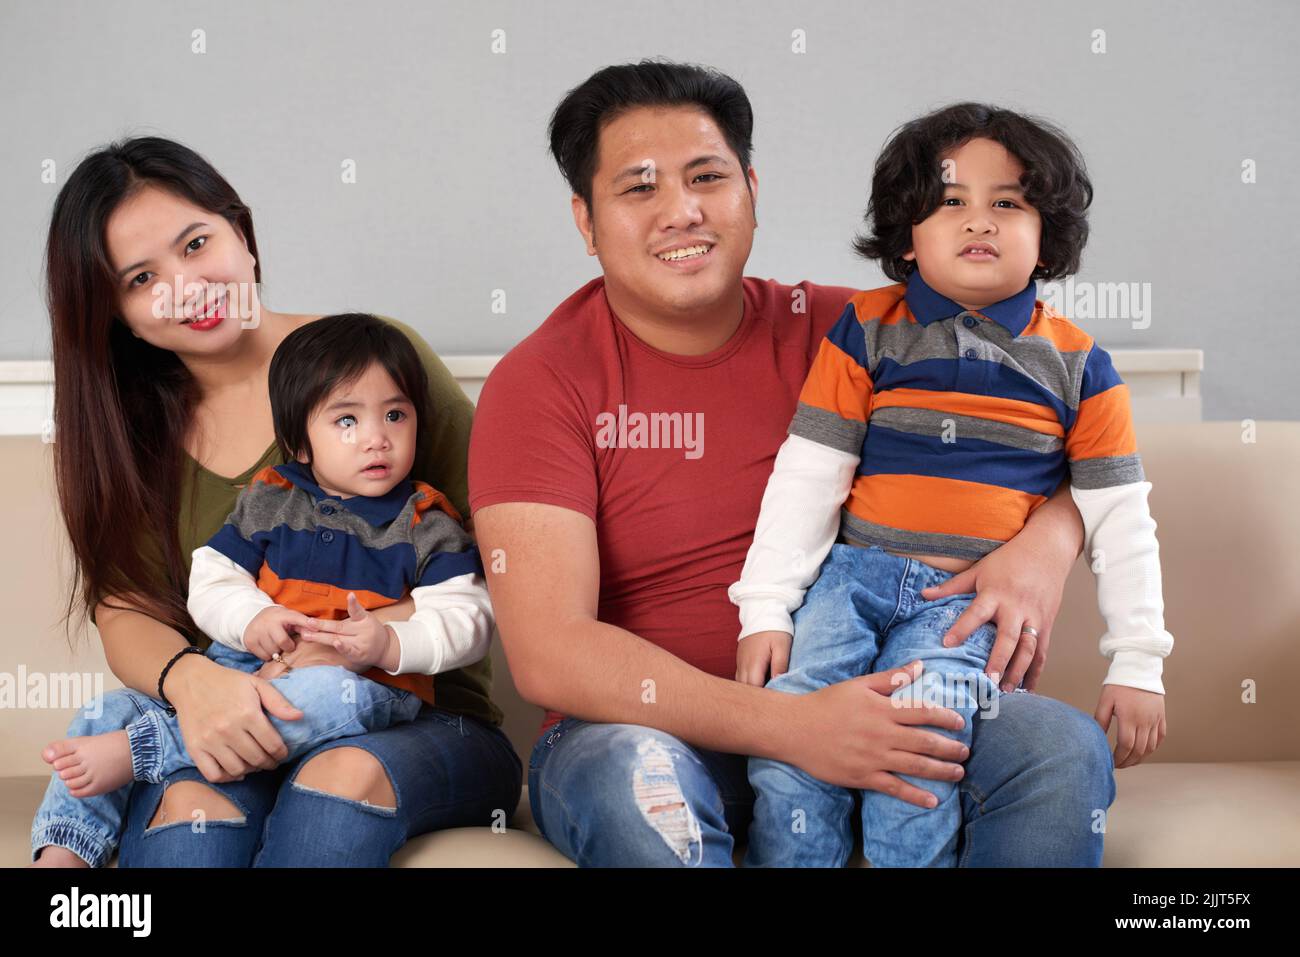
x=673 y=524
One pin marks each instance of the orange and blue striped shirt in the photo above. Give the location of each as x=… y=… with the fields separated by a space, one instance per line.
x=965 y=421
x=307 y=549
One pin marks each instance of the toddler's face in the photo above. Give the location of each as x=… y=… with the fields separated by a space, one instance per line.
x=357 y=426
x=982 y=243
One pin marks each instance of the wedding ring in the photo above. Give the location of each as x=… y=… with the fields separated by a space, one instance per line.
x=1029 y=630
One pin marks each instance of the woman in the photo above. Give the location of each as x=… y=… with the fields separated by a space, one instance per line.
x=161 y=351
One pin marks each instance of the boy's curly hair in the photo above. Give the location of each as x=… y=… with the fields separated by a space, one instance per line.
x=907 y=185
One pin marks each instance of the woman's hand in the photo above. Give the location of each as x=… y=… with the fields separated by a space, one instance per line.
x=1019 y=584
x=222 y=717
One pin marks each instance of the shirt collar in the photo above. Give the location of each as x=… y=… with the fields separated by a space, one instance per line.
x=377 y=510
x=927 y=305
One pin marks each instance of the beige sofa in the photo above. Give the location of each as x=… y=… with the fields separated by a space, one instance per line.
x=1223 y=790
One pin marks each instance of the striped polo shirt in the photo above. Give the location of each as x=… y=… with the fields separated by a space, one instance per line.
x=965 y=421
x=307 y=549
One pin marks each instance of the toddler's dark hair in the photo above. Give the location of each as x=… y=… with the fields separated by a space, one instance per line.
x=335 y=351
x=908 y=186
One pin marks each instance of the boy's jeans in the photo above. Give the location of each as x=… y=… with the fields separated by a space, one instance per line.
x=1037 y=785
x=335 y=703
x=865 y=614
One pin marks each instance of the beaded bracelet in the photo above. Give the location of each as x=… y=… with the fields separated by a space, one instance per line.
x=188 y=649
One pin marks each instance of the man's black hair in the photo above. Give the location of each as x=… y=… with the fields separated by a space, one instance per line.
x=608 y=93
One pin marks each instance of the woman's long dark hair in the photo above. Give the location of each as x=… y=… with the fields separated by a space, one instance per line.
x=121 y=405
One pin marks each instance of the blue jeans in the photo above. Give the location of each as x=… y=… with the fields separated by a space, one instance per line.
x=629 y=795
x=865 y=613
x=339 y=709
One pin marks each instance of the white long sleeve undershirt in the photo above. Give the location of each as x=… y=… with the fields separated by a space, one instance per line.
x=224 y=597
x=451 y=627
x=797 y=525
x=800 y=518
x=1119 y=539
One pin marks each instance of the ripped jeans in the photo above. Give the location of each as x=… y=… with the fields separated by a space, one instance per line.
x=339 y=709
x=865 y=614
x=1037 y=784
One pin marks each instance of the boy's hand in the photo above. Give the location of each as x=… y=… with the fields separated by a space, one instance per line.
x=271 y=631
x=1141 y=721
x=361 y=638
x=757 y=651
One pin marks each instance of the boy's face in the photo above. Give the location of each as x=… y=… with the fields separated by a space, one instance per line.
x=982 y=243
x=666 y=179
x=358 y=425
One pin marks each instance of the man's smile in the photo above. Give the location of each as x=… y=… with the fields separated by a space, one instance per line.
x=686 y=256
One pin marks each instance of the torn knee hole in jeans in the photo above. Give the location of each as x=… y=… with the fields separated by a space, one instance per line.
x=380 y=809
x=196 y=814
x=661 y=802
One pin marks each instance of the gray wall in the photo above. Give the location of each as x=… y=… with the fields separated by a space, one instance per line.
x=456 y=196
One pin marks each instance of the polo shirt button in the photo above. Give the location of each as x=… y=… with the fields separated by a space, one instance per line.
x=970 y=353
x=970 y=322
x=327 y=536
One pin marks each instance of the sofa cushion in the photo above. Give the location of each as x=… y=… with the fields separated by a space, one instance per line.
x=520 y=845
x=1242 y=814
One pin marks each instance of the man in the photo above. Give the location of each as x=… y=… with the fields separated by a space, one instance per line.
x=617 y=465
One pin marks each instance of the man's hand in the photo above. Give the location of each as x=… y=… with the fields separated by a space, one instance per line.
x=1018 y=584
x=361 y=638
x=759 y=650
x=1140 y=721
x=854 y=735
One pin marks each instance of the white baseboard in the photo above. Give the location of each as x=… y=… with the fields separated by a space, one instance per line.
x=1165 y=385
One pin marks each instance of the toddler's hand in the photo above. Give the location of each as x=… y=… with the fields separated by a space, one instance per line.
x=1140 y=717
x=270 y=631
x=757 y=651
x=361 y=638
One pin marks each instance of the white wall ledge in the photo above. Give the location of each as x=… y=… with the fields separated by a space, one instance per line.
x=1164 y=383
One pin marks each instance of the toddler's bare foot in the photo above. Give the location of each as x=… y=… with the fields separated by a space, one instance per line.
x=94 y=764
x=55 y=856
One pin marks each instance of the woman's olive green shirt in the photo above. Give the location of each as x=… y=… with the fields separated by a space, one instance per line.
x=207 y=499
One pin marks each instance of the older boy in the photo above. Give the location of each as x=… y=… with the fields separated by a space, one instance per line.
x=938 y=415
